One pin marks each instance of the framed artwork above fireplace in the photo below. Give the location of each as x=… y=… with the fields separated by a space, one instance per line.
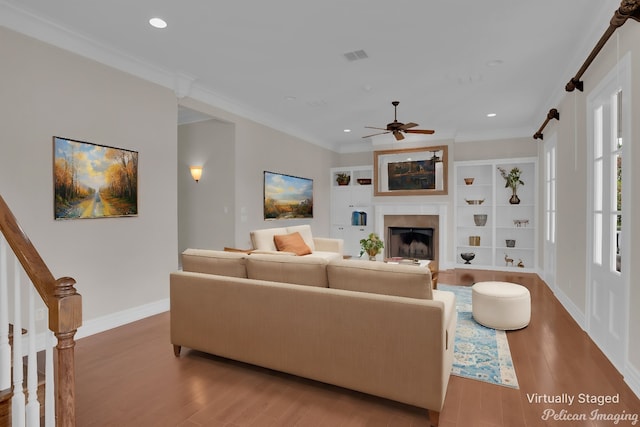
x=410 y=171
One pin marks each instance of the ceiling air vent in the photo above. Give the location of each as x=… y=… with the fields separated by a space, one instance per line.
x=356 y=55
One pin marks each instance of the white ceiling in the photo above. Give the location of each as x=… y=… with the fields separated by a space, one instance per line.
x=281 y=62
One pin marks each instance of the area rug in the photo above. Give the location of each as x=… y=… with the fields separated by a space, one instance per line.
x=480 y=353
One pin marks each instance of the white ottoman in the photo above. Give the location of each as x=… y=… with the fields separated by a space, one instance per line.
x=501 y=305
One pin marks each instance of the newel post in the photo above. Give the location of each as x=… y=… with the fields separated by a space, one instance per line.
x=65 y=317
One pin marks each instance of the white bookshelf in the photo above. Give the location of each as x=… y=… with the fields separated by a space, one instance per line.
x=347 y=199
x=505 y=221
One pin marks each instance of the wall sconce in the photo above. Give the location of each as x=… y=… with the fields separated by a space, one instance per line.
x=196 y=172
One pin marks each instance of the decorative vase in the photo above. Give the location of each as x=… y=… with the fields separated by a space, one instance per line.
x=514 y=200
x=480 y=219
x=372 y=255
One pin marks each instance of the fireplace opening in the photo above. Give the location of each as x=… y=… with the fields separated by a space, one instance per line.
x=410 y=242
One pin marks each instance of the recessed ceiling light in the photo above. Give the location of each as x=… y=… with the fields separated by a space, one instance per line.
x=158 y=23
x=491 y=114
x=347 y=130
x=290 y=98
x=495 y=62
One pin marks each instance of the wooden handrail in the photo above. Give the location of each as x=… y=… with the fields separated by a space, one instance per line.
x=65 y=310
x=26 y=253
x=628 y=9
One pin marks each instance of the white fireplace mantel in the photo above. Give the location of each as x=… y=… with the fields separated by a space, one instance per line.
x=439 y=209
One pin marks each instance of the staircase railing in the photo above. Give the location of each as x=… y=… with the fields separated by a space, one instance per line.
x=64 y=318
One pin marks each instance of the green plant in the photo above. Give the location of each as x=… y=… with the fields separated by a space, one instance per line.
x=371 y=245
x=512 y=179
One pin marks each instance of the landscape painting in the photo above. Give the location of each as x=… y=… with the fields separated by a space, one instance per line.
x=412 y=175
x=93 y=181
x=287 y=197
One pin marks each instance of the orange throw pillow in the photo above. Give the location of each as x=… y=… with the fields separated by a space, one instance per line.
x=291 y=243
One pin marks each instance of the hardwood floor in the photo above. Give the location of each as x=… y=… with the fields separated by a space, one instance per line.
x=129 y=376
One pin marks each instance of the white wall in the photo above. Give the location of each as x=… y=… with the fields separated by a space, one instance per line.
x=206 y=209
x=118 y=263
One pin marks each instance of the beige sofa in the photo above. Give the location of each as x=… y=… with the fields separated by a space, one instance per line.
x=368 y=326
x=321 y=247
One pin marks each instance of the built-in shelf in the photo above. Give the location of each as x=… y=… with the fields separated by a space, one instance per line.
x=489 y=187
x=351 y=206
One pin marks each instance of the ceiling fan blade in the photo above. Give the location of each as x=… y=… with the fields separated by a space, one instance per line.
x=399 y=136
x=373 y=127
x=375 y=134
x=423 y=131
x=408 y=125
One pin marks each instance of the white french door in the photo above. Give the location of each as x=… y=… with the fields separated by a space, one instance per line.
x=608 y=278
x=550 y=212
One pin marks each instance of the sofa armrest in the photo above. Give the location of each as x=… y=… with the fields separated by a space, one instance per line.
x=327 y=244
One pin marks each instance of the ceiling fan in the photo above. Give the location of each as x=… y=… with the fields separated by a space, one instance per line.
x=397 y=128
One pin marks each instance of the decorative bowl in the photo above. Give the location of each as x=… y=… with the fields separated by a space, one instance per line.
x=511 y=243
x=468 y=181
x=364 y=181
x=474 y=202
x=480 y=219
x=467 y=256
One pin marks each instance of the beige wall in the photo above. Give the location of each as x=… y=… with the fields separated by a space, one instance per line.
x=206 y=209
x=119 y=263
x=259 y=148
x=496 y=149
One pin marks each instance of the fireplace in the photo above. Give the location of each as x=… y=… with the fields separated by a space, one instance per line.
x=425 y=229
x=410 y=242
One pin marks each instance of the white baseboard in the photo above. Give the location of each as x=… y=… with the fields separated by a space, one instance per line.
x=120 y=318
x=632 y=378
x=104 y=323
x=573 y=309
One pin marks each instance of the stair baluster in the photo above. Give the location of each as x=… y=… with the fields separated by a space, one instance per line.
x=18 y=400
x=5 y=349
x=33 y=406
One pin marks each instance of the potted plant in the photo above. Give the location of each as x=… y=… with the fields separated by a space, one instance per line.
x=343 y=178
x=513 y=181
x=371 y=245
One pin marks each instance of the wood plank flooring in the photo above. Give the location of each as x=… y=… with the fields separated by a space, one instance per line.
x=128 y=376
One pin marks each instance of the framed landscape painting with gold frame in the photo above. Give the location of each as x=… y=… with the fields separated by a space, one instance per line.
x=410 y=171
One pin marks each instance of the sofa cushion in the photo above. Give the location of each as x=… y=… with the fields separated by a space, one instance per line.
x=380 y=278
x=263 y=239
x=292 y=242
x=311 y=271
x=305 y=232
x=223 y=263
x=327 y=256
